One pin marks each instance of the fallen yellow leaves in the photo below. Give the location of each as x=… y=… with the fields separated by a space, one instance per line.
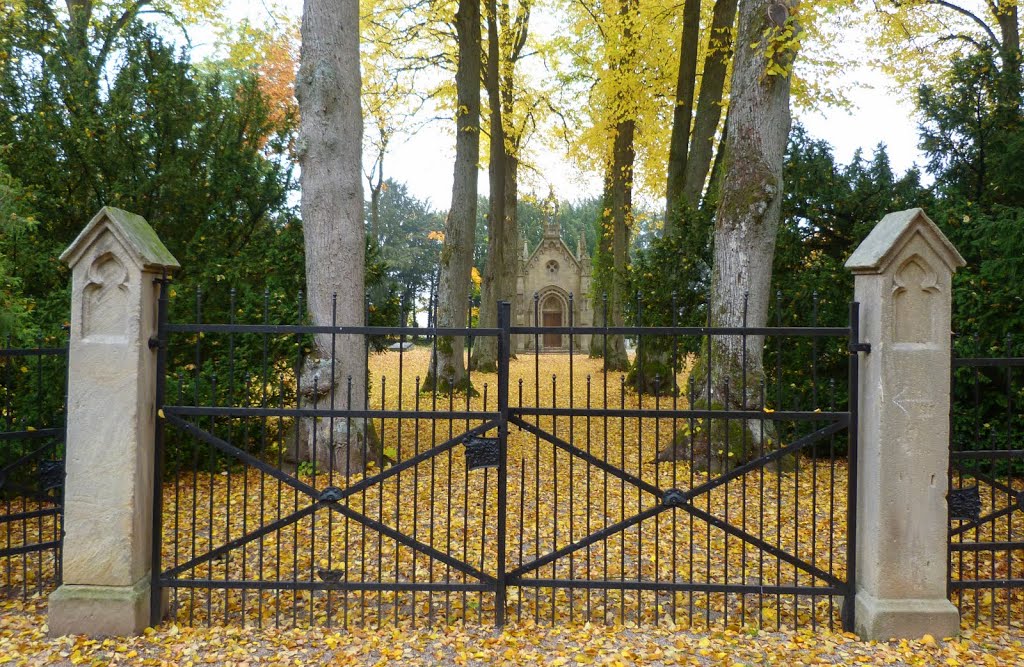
x=23 y=641
x=554 y=500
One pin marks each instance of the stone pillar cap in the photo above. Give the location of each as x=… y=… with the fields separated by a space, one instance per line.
x=883 y=244
x=133 y=233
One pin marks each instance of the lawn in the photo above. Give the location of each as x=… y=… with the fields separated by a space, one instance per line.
x=23 y=641
x=554 y=500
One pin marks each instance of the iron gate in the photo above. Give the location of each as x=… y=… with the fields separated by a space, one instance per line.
x=570 y=515
x=986 y=497
x=32 y=391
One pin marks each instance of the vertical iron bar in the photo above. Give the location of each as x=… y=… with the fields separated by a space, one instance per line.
x=156 y=594
x=851 y=485
x=504 y=323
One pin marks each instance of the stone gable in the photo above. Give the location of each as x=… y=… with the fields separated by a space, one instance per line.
x=552 y=290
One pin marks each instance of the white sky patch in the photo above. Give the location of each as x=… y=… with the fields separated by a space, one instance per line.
x=424 y=160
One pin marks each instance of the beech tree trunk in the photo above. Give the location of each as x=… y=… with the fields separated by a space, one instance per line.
x=499 y=280
x=447 y=370
x=329 y=151
x=745 y=231
x=682 y=116
x=749 y=210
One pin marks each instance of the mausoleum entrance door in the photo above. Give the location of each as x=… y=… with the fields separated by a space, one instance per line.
x=552 y=317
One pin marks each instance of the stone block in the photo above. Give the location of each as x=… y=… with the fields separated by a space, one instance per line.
x=99 y=611
x=882 y=620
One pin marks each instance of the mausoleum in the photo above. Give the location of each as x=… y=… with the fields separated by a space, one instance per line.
x=560 y=281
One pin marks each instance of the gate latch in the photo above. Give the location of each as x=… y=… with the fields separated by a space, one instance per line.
x=482 y=453
x=964 y=504
x=673 y=498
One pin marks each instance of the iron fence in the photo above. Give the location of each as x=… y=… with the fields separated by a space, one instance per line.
x=600 y=503
x=32 y=398
x=986 y=529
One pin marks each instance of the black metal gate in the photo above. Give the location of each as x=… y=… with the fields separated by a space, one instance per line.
x=568 y=516
x=725 y=537
x=32 y=398
x=986 y=497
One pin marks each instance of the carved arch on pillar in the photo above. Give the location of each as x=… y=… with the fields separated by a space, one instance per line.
x=105 y=299
x=915 y=287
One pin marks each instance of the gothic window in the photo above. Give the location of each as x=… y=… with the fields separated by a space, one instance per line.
x=552 y=267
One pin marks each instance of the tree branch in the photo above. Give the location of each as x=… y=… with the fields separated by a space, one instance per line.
x=969 y=14
x=963 y=37
x=108 y=42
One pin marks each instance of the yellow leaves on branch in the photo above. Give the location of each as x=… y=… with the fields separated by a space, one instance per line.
x=272 y=53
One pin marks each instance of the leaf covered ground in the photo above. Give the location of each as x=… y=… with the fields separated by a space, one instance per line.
x=553 y=500
x=23 y=641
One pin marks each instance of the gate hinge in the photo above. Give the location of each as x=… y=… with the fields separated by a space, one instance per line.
x=155 y=342
x=860 y=347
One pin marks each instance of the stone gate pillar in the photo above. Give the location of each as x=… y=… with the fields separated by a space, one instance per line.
x=903 y=272
x=110 y=427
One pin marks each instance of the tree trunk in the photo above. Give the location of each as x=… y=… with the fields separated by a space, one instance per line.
x=1009 y=30
x=375 y=179
x=749 y=210
x=682 y=117
x=623 y=157
x=602 y=259
x=1009 y=89
x=709 y=101
x=620 y=190
x=745 y=230
x=447 y=370
x=499 y=279
x=492 y=285
x=329 y=151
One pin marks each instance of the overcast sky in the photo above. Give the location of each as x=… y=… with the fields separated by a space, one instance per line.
x=424 y=162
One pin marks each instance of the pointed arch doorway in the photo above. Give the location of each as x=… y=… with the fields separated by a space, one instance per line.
x=553 y=315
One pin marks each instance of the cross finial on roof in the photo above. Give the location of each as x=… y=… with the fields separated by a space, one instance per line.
x=551 y=229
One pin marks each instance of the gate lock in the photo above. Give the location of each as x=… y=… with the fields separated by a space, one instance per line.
x=673 y=498
x=482 y=453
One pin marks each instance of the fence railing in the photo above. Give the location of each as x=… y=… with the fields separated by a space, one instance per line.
x=600 y=503
x=32 y=397
x=986 y=500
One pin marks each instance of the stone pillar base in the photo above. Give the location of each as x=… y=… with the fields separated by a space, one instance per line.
x=99 y=610
x=882 y=620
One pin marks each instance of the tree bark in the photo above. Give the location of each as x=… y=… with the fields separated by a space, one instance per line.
x=447 y=370
x=329 y=150
x=745 y=229
x=682 y=117
x=603 y=259
x=499 y=279
x=623 y=157
x=749 y=210
x=1009 y=30
x=620 y=183
x=710 y=100
x=485 y=353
